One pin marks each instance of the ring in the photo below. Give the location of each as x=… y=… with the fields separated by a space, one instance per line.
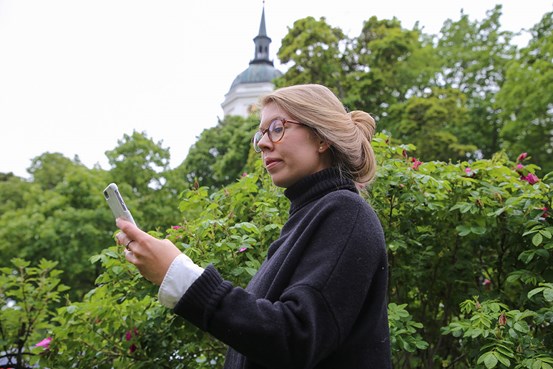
x=128 y=243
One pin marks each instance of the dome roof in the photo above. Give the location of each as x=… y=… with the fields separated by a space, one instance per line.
x=256 y=73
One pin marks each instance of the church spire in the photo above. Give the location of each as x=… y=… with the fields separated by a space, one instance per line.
x=262 y=29
x=254 y=81
x=262 y=42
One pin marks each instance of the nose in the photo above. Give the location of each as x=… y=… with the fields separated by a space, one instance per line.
x=265 y=142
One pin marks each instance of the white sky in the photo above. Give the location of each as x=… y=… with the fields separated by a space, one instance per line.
x=76 y=75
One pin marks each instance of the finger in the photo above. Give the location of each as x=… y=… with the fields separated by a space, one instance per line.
x=122 y=238
x=130 y=230
x=131 y=258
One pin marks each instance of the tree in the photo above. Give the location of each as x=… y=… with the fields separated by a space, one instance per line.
x=140 y=167
x=473 y=57
x=432 y=123
x=314 y=48
x=65 y=223
x=219 y=156
x=386 y=65
x=139 y=162
x=526 y=98
x=389 y=64
x=61 y=214
x=48 y=169
x=13 y=191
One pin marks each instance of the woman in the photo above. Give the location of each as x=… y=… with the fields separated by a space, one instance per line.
x=319 y=298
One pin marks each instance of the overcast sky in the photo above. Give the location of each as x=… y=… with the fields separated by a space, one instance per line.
x=75 y=75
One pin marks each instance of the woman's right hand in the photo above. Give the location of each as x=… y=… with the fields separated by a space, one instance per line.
x=152 y=256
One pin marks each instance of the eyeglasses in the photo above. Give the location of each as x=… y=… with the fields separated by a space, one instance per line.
x=275 y=132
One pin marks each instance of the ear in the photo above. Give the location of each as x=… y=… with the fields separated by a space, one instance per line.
x=323 y=146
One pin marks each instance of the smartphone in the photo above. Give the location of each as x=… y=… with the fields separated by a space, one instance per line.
x=117 y=204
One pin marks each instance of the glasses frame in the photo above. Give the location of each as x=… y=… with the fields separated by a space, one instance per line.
x=261 y=132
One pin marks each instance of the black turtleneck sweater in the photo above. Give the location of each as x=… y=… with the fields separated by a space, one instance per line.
x=319 y=298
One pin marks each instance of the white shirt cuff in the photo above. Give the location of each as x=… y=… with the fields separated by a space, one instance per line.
x=180 y=276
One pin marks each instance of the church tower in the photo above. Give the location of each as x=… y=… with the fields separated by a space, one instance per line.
x=255 y=81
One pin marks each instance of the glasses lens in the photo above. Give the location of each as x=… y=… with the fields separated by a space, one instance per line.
x=256 y=138
x=275 y=133
x=276 y=130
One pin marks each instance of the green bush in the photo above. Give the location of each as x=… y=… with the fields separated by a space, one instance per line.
x=28 y=297
x=468 y=229
x=470 y=269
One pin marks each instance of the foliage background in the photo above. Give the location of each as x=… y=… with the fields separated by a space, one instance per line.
x=463 y=193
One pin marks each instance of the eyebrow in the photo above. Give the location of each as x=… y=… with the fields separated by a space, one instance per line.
x=261 y=125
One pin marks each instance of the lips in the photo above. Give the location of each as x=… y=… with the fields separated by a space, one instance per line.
x=271 y=162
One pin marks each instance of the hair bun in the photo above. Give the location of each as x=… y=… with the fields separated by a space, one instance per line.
x=364 y=122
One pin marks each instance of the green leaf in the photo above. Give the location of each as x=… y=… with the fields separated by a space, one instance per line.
x=503 y=359
x=112 y=254
x=20 y=263
x=537 y=239
x=535 y=291
x=521 y=326
x=478 y=230
x=463 y=230
x=94 y=259
x=490 y=361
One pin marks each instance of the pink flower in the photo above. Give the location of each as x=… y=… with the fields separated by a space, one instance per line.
x=487 y=283
x=176 y=227
x=522 y=156
x=128 y=337
x=530 y=178
x=245 y=174
x=416 y=163
x=469 y=172
x=129 y=334
x=242 y=249
x=45 y=343
x=520 y=166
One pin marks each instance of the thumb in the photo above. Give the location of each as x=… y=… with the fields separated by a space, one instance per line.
x=132 y=231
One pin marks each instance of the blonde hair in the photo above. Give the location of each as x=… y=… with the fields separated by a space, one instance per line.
x=348 y=134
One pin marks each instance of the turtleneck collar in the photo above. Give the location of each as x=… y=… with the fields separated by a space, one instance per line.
x=315 y=186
